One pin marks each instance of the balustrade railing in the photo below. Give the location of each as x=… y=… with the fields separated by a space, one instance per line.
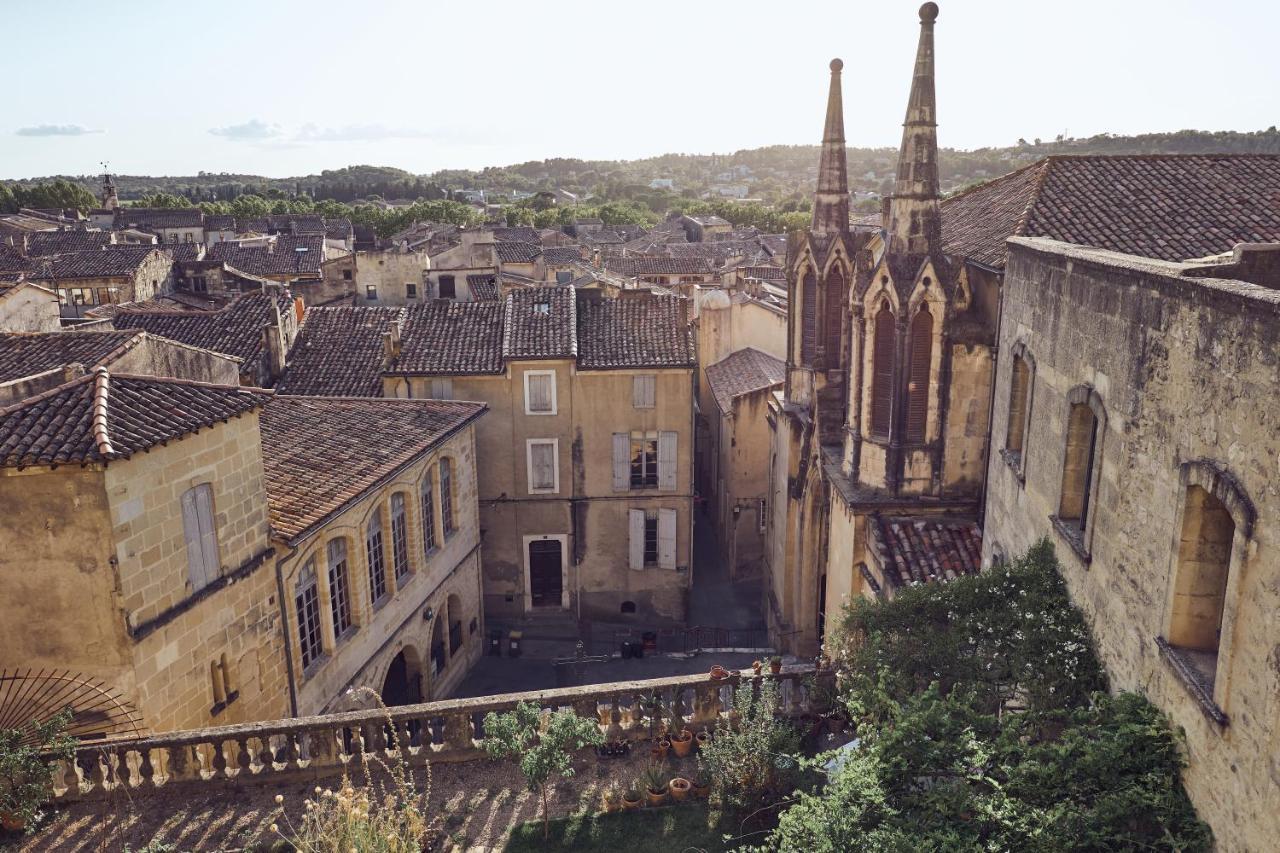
x=451 y=730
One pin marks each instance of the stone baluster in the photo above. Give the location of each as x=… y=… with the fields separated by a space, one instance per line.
x=321 y=745
x=706 y=705
x=266 y=753
x=219 y=760
x=244 y=758
x=457 y=732
x=183 y=764
x=615 y=730
x=146 y=770
x=121 y=767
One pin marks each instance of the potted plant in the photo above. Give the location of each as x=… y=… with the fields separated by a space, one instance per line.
x=661 y=746
x=632 y=798
x=775 y=664
x=682 y=743
x=703 y=738
x=25 y=781
x=757 y=666
x=654 y=780
x=719 y=673
x=701 y=788
x=611 y=798
x=679 y=788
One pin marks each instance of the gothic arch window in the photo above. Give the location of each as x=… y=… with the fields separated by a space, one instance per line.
x=1082 y=458
x=808 y=319
x=885 y=341
x=918 y=379
x=834 y=319
x=1021 y=381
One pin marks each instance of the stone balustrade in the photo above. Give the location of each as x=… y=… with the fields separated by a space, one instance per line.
x=452 y=730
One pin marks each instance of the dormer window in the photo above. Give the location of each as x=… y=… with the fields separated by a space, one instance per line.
x=543 y=308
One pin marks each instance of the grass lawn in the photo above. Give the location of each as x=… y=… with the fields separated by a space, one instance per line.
x=676 y=828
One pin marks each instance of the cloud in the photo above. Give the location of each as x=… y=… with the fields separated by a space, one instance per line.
x=55 y=130
x=357 y=133
x=253 y=130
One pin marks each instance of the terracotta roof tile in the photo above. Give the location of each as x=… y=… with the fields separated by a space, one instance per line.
x=539 y=323
x=635 y=265
x=743 y=372
x=517 y=252
x=43 y=243
x=234 y=330
x=926 y=548
x=338 y=352
x=300 y=256
x=307 y=439
x=562 y=255
x=29 y=353
x=638 y=329
x=483 y=287
x=447 y=337
x=107 y=262
x=157 y=217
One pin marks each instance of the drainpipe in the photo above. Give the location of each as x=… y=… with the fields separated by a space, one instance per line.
x=284 y=629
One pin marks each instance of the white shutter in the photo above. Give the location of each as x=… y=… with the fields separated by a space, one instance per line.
x=667 y=460
x=208 y=532
x=636 y=518
x=538 y=386
x=441 y=389
x=191 y=533
x=542 y=469
x=667 y=538
x=621 y=461
x=642 y=392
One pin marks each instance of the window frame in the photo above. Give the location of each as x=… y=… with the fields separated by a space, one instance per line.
x=644 y=398
x=529 y=444
x=554 y=402
x=427 y=510
x=648 y=471
x=306 y=602
x=1016 y=459
x=400 y=539
x=1077 y=531
x=375 y=553
x=448 y=515
x=339 y=578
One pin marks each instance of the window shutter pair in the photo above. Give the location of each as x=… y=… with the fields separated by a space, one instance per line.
x=201 y=536
x=666 y=538
x=441 y=389
x=539 y=392
x=543 y=470
x=882 y=371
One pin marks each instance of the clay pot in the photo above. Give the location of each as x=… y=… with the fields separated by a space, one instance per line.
x=656 y=798
x=719 y=673
x=682 y=743
x=628 y=805
x=775 y=666
x=757 y=666
x=11 y=822
x=835 y=724
x=612 y=804
x=701 y=790
x=703 y=739
x=679 y=788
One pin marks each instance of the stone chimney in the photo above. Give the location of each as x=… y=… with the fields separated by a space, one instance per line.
x=273 y=346
x=831 y=201
x=914 y=220
x=391 y=345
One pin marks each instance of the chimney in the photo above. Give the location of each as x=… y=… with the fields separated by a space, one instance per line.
x=272 y=353
x=391 y=344
x=831 y=201
x=914 y=221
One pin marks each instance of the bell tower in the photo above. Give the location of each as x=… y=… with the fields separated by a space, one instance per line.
x=110 y=201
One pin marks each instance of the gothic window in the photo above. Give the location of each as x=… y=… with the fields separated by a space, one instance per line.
x=885 y=339
x=918 y=381
x=339 y=592
x=307 y=601
x=1080 y=462
x=377 y=558
x=808 y=319
x=1200 y=584
x=834 y=316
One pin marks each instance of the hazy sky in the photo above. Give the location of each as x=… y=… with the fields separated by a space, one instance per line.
x=280 y=88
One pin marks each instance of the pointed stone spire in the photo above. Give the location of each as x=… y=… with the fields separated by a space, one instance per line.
x=914 y=221
x=831 y=201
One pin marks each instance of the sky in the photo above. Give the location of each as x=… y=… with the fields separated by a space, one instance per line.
x=281 y=88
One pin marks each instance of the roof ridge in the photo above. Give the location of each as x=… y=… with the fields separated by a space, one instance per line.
x=101 y=392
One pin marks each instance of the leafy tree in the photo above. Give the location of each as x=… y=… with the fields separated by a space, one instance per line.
x=57 y=195
x=25 y=780
x=543 y=748
x=163 y=200
x=8 y=203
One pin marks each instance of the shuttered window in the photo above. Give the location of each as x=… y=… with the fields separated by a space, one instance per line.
x=201 y=536
x=339 y=592
x=644 y=460
x=306 y=599
x=621 y=461
x=918 y=381
x=539 y=392
x=636 y=527
x=667 y=459
x=376 y=557
x=428 y=514
x=399 y=537
x=442 y=389
x=543 y=463
x=667 y=538
x=808 y=319
x=835 y=311
x=643 y=389
x=882 y=372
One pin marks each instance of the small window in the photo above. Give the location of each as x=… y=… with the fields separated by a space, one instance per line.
x=371 y=292
x=1078 y=464
x=628 y=607
x=411 y=290
x=446 y=497
x=339 y=591
x=201 y=536
x=199 y=284
x=564 y=276
x=539 y=392
x=1020 y=381
x=399 y=537
x=542 y=307
x=643 y=390
x=428 y=514
x=543 y=465
x=346 y=275
x=651 y=537
x=764 y=514
x=644 y=460
x=377 y=558
x=307 y=601
x=447 y=289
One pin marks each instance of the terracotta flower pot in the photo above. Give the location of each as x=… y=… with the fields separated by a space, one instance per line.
x=719 y=673
x=682 y=743
x=611 y=804
x=775 y=666
x=679 y=788
x=628 y=805
x=701 y=790
x=703 y=738
x=12 y=822
x=656 y=798
x=757 y=666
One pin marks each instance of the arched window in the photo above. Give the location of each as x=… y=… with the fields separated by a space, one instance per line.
x=428 y=512
x=376 y=557
x=399 y=537
x=1019 y=406
x=918 y=381
x=1078 y=465
x=808 y=319
x=306 y=598
x=1200 y=584
x=339 y=590
x=885 y=339
x=835 y=316
x=447 y=521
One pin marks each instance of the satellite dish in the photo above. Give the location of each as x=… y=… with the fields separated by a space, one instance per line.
x=98 y=711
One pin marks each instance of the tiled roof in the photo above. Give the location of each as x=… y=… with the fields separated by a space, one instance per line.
x=638 y=329
x=539 y=323
x=765 y=273
x=52 y=242
x=308 y=439
x=517 y=252
x=284 y=259
x=483 y=287
x=235 y=330
x=155 y=217
x=11 y=260
x=926 y=548
x=448 y=337
x=562 y=255
x=338 y=352
x=522 y=233
x=1170 y=207
x=219 y=222
x=107 y=262
x=743 y=372
x=708 y=220
x=338 y=229
x=100 y=417
x=183 y=252
x=637 y=265
x=29 y=353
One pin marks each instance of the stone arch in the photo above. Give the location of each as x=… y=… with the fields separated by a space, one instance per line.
x=1021 y=398
x=402 y=680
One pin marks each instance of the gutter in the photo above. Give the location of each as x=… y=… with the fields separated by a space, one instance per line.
x=284 y=630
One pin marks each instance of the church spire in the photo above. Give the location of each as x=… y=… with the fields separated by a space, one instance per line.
x=831 y=201
x=914 y=221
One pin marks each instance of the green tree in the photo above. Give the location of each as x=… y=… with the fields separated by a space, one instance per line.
x=25 y=780
x=543 y=748
x=57 y=195
x=752 y=763
x=163 y=200
x=8 y=203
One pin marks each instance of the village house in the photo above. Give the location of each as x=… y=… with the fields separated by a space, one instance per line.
x=394 y=276
x=176 y=510
x=27 y=307
x=104 y=276
x=178 y=225
x=666 y=271
x=593 y=512
x=704 y=229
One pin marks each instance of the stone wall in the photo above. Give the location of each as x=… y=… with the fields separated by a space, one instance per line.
x=389 y=273
x=157 y=356
x=29 y=308
x=1187 y=372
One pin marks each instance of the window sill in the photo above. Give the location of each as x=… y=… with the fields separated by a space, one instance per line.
x=1013 y=458
x=379 y=603
x=351 y=631
x=1073 y=536
x=1191 y=678
x=315 y=666
x=219 y=707
x=539 y=414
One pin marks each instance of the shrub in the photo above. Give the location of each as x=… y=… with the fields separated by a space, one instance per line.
x=753 y=764
x=25 y=773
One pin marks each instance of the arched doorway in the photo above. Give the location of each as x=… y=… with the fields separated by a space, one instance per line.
x=403 y=684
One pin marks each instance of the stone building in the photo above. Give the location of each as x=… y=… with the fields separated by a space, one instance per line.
x=387 y=277
x=27 y=307
x=586 y=491
x=106 y=276
x=1134 y=431
x=171 y=513
x=180 y=225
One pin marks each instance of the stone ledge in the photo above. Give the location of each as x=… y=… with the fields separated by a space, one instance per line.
x=1013 y=459
x=1191 y=679
x=1074 y=537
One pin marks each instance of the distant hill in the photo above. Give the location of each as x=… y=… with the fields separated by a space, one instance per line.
x=777 y=174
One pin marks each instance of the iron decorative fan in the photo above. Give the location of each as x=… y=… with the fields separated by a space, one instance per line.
x=98 y=711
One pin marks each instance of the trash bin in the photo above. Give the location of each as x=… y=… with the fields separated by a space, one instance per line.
x=625 y=649
x=637 y=649
x=513 y=644
x=650 y=639
x=495 y=643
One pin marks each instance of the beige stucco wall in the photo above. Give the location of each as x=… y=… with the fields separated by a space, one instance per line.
x=361 y=657
x=741 y=445
x=1185 y=371
x=29 y=308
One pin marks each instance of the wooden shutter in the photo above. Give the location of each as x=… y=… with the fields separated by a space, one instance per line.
x=666 y=538
x=635 y=519
x=191 y=533
x=882 y=372
x=538 y=386
x=642 y=392
x=667 y=460
x=542 y=472
x=918 y=389
x=835 y=311
x=441 y=389
x=808 y=319
x=621 y=462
